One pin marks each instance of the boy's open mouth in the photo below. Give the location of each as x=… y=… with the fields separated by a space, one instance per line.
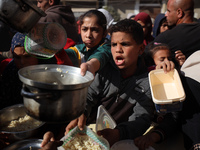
x=119 y=60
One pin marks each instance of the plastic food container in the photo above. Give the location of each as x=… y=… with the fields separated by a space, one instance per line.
x=127 y=145
x=45 y=39
x=104 y=120
x=104 y=145
x=167 y=90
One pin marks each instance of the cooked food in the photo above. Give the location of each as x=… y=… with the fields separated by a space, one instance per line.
x=82 y=142
x=59 y=69
x=21 y=124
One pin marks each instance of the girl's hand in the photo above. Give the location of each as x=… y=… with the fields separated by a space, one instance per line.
x=81 y=122
x=166 y=66
x=180 y=57
x=111 y=135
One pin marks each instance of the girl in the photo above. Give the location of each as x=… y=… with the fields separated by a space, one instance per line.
x=159 y=56
x=95 y=50
x=145 y=21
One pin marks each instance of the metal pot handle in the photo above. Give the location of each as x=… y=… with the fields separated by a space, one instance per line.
x=38 y=96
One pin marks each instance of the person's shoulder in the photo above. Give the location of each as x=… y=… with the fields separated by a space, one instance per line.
x=57 y=8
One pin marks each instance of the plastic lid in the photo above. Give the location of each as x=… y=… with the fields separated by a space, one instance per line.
x=104 y=120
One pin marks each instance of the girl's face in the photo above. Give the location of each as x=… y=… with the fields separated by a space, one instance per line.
x=91 y=32
x=125 y=52
x=161 y=55
x=144 y=27
x=22 y=58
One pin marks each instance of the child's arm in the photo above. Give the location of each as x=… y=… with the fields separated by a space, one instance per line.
x=93 y=65
x=180 y=57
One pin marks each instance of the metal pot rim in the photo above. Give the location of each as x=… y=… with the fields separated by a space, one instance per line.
x=87 y=79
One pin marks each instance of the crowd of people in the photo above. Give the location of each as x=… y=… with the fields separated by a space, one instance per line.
x=120 y=56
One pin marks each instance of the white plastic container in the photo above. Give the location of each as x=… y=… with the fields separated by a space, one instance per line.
x=45 y=39
x=167 y=90
x=104 y=119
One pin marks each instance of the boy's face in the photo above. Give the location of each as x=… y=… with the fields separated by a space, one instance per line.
x=161 y=56
x=22 y=58
x=125 y=51
x=43 y=4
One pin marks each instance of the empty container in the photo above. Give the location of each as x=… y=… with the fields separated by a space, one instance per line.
x=167 y=90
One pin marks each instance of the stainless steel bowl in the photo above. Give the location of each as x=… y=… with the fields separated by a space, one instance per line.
x=54 y=93
x=12 y=113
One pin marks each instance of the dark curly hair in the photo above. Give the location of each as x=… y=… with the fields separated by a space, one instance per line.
x=129 y=26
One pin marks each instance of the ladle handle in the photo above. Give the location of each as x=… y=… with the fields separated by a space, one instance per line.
x=36 y=96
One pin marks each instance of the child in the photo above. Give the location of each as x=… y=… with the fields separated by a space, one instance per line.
x=159 y=56
x=168 y=124
x=160 y=24
x=122 y=87
x=145 y=21
x=95 y=50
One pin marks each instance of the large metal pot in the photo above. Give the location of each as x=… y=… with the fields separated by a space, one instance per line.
x=54 y=93
x=21 y=15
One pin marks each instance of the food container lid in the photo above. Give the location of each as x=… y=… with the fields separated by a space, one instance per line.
x=166 y=88
x=104 y=119
x=127 y=145
x=97 y=139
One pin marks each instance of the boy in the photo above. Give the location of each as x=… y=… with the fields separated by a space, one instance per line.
x=122 y=87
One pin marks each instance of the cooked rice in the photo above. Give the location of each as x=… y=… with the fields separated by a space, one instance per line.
x=21 y=124
x=82 y=142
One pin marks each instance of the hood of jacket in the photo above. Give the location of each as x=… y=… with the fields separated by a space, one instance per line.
x=157 y=24
x=64 y=11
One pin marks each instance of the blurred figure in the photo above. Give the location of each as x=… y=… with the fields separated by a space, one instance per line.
x=10 y=85
x=109 y=19
x=6 y=34
x=108 y=16
x=160 y=24
x=145 y=21
x=60 y=14
x=181 y=37
x=131 y=16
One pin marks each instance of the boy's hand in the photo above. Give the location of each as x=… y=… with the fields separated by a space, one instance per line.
x=111 y=135
x=143 y=142
x=166 y=66
x=180 y=57
x=81 y=122
x=49 y=142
